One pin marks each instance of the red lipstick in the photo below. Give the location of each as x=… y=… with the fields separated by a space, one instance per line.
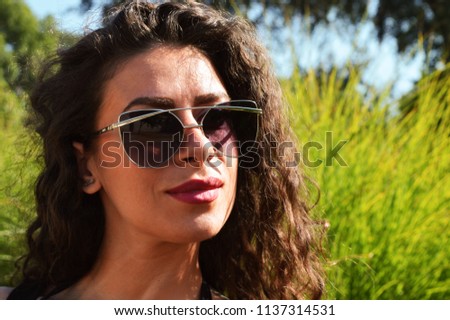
x=197 y=191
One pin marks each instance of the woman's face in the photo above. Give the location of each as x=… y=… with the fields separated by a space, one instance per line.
x=188 y=200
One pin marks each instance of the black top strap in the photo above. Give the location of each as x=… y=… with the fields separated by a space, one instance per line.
x=25 y=292
x=33 y=292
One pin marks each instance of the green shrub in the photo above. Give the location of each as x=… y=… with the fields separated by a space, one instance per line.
x=388 y=204
x=18 y=171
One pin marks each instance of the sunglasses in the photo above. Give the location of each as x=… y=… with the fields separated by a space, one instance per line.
x=150 y=137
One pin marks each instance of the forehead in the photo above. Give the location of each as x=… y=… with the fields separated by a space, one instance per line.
x=178 y=73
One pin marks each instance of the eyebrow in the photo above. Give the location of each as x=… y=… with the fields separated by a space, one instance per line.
x=210 y=98
x=167 y=103
x=154 y=102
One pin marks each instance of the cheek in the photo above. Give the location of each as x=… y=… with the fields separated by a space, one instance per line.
x=128 y=193
x=122 y=182
x=123 y=185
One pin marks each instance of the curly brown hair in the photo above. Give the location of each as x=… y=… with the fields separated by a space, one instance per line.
x=268 y=248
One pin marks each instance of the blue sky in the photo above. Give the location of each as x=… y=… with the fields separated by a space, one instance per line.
x=335 y=45
x=65 y=11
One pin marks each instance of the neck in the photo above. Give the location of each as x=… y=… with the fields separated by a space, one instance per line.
x=141 y=270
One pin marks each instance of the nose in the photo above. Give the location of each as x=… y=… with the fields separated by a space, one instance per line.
x=195 y=148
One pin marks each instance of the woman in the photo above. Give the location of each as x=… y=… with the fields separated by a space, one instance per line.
x=154 y=186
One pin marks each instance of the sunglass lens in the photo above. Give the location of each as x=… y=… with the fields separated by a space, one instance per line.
x=233 y=132
x=151 y=142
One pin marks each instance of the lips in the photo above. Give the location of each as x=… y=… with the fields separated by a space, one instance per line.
x=197 y=191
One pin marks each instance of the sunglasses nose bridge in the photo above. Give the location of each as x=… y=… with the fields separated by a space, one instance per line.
x=195 y=146
x=188 y=129
x=191 y=134
x=191 y=126
x=189 y=122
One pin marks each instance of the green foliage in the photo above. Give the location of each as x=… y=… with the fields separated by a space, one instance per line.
x=24 y=43
x=18 y=172
x=388 y=204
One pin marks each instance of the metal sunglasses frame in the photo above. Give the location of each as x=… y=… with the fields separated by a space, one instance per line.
x=222 y=105
x=233 y=105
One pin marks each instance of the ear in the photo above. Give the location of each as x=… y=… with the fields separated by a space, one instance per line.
x=86 y=169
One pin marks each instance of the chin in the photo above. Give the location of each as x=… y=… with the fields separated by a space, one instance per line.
x=201 y=229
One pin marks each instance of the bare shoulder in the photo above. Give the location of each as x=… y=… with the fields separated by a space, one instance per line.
x=4 y=292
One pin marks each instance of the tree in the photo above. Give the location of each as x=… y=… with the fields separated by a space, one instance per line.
x=405 y=20
x=24 y=42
